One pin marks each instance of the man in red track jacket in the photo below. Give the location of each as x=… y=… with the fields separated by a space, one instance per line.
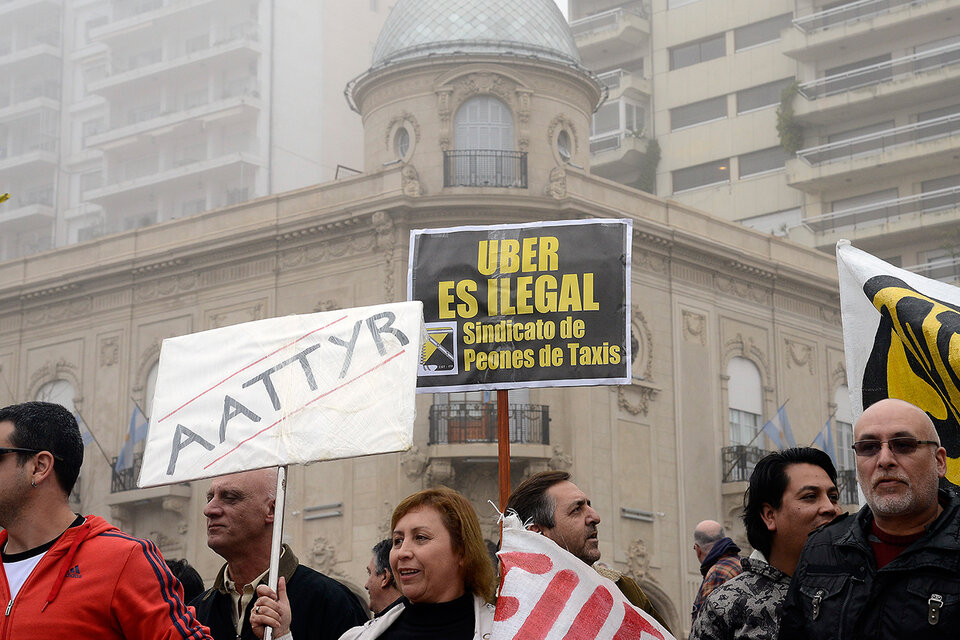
x=67 y=576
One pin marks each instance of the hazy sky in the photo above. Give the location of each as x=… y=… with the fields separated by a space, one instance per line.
x=563 y=6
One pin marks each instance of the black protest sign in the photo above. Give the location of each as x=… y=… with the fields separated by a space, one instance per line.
x=535 y=305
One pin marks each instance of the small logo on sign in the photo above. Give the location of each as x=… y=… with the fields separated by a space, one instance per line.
x=439 y=354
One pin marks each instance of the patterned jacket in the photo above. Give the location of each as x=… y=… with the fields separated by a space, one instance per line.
x=747 y=607
x=720 y=565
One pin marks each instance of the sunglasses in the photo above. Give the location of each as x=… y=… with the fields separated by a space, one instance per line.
x=5 y=450
x=904 y=445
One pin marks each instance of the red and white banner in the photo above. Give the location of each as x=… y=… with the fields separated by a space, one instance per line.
x=546 y=593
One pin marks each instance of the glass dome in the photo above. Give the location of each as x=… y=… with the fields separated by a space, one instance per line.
x=422 y=28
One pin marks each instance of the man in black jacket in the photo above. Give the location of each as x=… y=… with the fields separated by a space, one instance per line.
x=893 y=570
x=239 y=513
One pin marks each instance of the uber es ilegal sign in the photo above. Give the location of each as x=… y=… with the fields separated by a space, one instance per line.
x=531 y=305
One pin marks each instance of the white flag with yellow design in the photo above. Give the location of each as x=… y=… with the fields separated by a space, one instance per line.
x=901 y=335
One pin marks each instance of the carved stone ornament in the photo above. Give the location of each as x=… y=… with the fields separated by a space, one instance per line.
x=405 y=118
x=323 y=557
x=635 y=398
x=386 y=243
x=560 y=461
x=169 y=546
x=326 y=305
x=641 y=346
x=557 y=187
x=109 y=351
x=638 y=560
x=694 y=327
x=413 y=462
x=440 y=472
x=175 y=504
x=839 y=375
x=799 y=355
x=737 y=346
x=562 y=122
x=410 y=181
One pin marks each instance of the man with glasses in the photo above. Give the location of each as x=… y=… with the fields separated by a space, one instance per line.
x=67 y=576
x=893 y=569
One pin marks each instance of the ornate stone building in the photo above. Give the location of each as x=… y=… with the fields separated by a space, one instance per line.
x=492 y=128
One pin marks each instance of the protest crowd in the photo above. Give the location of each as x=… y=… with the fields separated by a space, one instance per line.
x=891 y=570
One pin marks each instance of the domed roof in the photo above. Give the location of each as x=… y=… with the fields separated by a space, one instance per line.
x=421 y=28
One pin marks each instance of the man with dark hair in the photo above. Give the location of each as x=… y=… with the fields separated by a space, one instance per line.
x=719 y=559
x=551 y=505
x=893 y=569
x=240 y=513
x=380 y=583
x=67 y=576
x=791 y=493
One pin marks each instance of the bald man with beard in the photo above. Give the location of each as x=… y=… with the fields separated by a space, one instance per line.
x=893 y=569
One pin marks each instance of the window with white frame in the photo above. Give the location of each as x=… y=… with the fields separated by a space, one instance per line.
x=698 y=112
x=843 y=430
x=484 y=123
x=701 y=175
x=744 y=400
x=761 y=96
x=762 y=161
x=58 y=392
x=618 y=116
x=690 y=53
x=763 y=32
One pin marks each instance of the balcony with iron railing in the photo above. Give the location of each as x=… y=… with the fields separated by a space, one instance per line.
x=485 y=168
x=126 y=479
x=739 y=462
x=882 y=141
x=913 y=211
x=877 y=156
x=851 y=12
x=881 y=73
x=613 y=32
x=226 y=108
x=847 y=486
x=232 y=52
x=129 y=15
x=621 y=82
x=227 y=167
x=945 y=269
x=476 y=422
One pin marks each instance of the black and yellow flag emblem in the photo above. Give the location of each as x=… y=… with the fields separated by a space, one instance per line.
x=916 y=357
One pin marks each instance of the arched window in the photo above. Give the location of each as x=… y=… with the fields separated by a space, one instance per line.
x=60 y=392
x=745 y=400
x=150 y=387
x=483 y=123
x=843 y=430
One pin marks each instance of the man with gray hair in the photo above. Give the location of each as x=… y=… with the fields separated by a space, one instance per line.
x=719 y=559
x=240 y=513
x=549 y=504
x=380 y=582
x=893 y=569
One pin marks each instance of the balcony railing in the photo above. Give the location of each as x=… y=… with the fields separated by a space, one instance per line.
x=126 y=479
x=886 y=211
x=847 y=485
x=881 y=72
x=882 y=140
x=945 y=269
x=485 y=168
x=607 y=19
x=850 y=12
x=465 y=422
x=739 y=461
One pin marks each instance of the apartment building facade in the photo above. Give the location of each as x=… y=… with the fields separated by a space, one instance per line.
x=867 y=146
x=126 y=113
